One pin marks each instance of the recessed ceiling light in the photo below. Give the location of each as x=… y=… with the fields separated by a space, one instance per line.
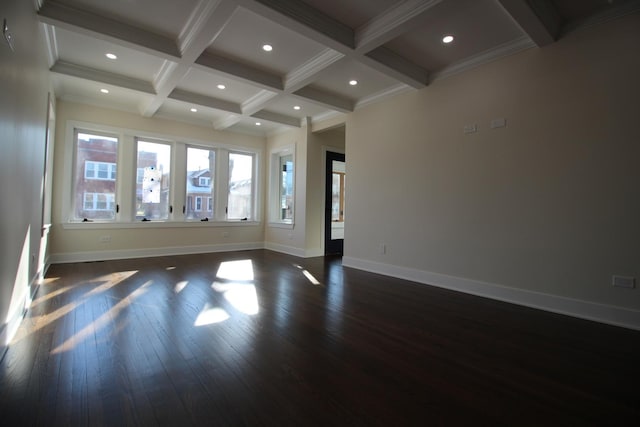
x=194 y=110
x=353 y=82
x=267 y=47
x=296 y=107
x=104 y=90
x=111 y=56
x=221 y=87
x=447 y=39
x=258 y=124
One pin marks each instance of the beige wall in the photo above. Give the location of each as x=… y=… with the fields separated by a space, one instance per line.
x=24 y=84
x=68 y=244
x=290 y=239
x=550 y=203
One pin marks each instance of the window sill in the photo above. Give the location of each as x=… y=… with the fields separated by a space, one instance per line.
x=287 y=225
x=155 y=224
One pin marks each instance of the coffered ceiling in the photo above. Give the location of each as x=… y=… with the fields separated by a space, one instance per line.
x=202 y=61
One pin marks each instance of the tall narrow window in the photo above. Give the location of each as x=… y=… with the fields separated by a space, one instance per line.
x=337 y=197
x=200 y=179
x=153 y=194
x=286 y=188
x=240 y=199
x=96 y=158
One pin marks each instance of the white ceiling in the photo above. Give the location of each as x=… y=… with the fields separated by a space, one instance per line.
x=172 y=55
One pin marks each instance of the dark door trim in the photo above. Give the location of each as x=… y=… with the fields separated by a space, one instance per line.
x=335 y=246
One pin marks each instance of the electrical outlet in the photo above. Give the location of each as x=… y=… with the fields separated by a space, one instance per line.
x=624 y=282
x=104 y=239
x=470 y=128
x=225 y=234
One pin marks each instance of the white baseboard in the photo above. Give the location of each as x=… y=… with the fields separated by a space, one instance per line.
x=289 y=250
x=608 y=314
x=150 y=252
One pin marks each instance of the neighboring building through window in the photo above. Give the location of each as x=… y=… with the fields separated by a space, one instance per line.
x=240 y=198
x=94 y=183
x=200 y=164
x=153 y=194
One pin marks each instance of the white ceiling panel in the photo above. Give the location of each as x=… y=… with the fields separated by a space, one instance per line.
x=81 y=90
x=206 y=83
x=477 y=25
x=285 y=105
x=336 y=80
x=243 y=38
x=90 y=52
x=178 y=110
x=164 y=17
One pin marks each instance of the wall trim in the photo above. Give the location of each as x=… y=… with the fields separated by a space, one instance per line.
x=70 y=257
x=289 y=250
x=612 y=315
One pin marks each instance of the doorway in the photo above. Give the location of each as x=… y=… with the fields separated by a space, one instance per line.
x=335 y=175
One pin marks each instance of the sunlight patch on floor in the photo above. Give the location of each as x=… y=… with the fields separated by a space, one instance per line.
x=210 y=315
x=101 y=321
x=180 y=286
x=310 y=277
x=234 y=280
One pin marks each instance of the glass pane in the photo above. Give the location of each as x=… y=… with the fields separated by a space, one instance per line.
x=152 y=195
x=286 y=187
x=200 y=174
x=337 y=200
x=240 y=186
x=94 y=156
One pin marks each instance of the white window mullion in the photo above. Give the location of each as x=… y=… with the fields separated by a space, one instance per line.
x=221 y=191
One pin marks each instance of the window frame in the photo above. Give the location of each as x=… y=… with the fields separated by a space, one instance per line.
x=275 y=183
x=73 y=172
x=126 y=179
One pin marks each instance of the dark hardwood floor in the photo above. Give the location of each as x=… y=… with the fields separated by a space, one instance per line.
x=246 y=338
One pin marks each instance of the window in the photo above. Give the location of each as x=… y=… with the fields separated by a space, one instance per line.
x=153 y=194
x=286 y=188
x=200 y=168
x=240 y=198
x=281 y=200
x=95 y=173
x=337 y=197
x=116 y=175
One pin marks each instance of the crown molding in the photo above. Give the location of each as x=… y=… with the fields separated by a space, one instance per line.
x=509 y=48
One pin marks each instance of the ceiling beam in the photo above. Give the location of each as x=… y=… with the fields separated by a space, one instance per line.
x=539 y=19
x=257 y=102
x=305 y=20
x=325 y=99
x=94 y=25
x=235 y=69
x=390 y=63
x=310 y=70
x=618 y=10
x=392 y=23
x=204 y=100
x=277 y=118
x=204 y=25
x=87 y=73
